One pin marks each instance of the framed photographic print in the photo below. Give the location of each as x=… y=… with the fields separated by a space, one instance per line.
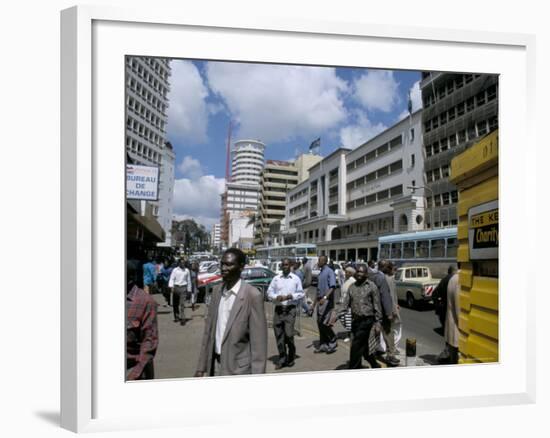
x=352 y=169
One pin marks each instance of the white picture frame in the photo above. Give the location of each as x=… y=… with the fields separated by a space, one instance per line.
x=93 y=39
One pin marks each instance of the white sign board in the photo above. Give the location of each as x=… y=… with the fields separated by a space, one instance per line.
x=142 y=182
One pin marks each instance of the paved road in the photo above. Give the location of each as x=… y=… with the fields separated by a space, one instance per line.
x=179 y=345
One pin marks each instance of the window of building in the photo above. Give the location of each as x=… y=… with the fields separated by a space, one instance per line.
x=396 y=191
x=411 y=135
x=371 y=155
x=459 y=82
x=452 y=113
x=383 y=194
x=452 y=140
x=468 y=78
x=446 y=198
x=482 y=128
x=445 y=171
x=412 y=160
x=428 y=150
x=491 y=92
x=442 y=119
x=428 y=126
x=480 y=98
x=437 y=199
x=444 y=145
x=435 y=122
x=397 y=141
x=454 y=196
x=493 y=123
x=359 y=202
x=462 y=136
x=429 y=202
x=460 y=109
x=370 y=199
x=470 y=104
x=382 y=149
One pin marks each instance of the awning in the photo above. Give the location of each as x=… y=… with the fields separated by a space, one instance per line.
x=144 y=228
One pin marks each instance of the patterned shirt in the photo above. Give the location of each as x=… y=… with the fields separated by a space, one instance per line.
x=141 y=330
x=364 y=300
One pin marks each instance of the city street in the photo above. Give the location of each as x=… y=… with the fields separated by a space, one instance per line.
x=179 y=346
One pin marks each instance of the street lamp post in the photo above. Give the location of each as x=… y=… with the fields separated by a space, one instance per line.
x=413 y=188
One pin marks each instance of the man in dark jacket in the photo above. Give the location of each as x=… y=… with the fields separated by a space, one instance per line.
x=440 y=296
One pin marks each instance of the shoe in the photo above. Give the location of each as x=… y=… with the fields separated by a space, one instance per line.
x=183 y=321
x=290 y=364
x=322 y=349
x=346 y=339
x=332 y=350
x=279 y=366
x=392 y=361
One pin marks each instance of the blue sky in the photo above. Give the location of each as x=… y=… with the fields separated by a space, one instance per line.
x=286 y=107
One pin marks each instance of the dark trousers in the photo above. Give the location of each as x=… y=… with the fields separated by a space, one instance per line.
x=360 y=328
x=283 y=327
x=178 y=301
x=327 y=337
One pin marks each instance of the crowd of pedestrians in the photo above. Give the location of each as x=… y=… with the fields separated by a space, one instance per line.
x=236 y=332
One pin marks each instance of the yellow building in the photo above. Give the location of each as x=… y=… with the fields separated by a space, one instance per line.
x=475 y=173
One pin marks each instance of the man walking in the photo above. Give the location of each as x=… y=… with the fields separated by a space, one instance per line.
x=379 y=279
x=345 y=318
x=364 y=301
x=141 y=329
x=451 y=322
x=395 y=324
x=149 y=275
x=235 y=333
x=285 y=290
x=180 y=281
x=326 y=285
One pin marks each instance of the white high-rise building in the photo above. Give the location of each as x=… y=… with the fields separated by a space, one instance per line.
x=147 y=86
x=247 y=162
x=215 y=236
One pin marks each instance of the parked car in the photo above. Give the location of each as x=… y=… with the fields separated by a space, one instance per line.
x=257 y=276
x=414 y=284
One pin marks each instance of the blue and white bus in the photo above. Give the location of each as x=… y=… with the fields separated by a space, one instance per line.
x=435 y=249
x=270 y=254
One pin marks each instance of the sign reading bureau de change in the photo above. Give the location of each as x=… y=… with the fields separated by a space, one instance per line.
x=483 y=231
x=142 y=182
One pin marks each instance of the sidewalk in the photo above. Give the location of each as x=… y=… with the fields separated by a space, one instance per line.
x=179 y=346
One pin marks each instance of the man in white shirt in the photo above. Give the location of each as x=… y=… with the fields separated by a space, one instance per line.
x=235 y=332
x=286 y=292
x=180 y=280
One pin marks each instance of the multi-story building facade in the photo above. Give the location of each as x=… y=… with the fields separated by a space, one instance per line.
x=354 y=196
x=247 y=162
x=317 y=205
x=215 y=236
x=241 y=194
x=277 y=178
x=459 y=109
x=147 y=86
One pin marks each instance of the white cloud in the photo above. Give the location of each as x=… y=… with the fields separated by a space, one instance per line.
x=361 y=131
x=187 y=110
x=377 y=90
x=278 y=103
x=199 y=198
x=190 y=167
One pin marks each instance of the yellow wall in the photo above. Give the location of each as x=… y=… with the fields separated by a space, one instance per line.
x=475 y=172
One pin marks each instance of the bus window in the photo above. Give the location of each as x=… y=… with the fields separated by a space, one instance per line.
x=385 y=251
x=412 y=273
x=398 y=275
x=396 y=250
x=422 y=247
x=438 y=248
x=408 y=250
x=452 y=245
x=424 y=272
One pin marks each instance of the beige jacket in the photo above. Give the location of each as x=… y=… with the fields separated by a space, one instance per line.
x=244 y=344
x=453 y=310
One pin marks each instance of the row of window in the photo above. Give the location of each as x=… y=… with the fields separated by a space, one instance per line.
x=390 y=169
x=479 y=129
x=142 y=150
x=151 y=98
x=382 y=195
x=281 y=181
x=298 y=195
x=148 y=116
x=298 y=209
x=448 y=87
x=438 y=173
x=159 y=66
x=375 y=153
x=149 y=78
x=462 y=108
x=442 y=199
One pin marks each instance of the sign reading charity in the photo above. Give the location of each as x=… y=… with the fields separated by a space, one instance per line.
x=483 y=231
x=142 y=182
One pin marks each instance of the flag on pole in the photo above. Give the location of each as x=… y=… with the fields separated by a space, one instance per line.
x=315 y=146
x=410 y=104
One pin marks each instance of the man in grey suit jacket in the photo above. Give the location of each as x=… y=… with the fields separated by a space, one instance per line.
x=235 y=333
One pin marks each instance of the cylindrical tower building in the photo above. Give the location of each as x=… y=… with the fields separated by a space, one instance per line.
x=247 y=162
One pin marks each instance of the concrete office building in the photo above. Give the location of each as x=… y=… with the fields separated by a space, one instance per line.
x=459 y=109
x=147 y=86
x=317 y=205
x=354 y=196
x=215 y=236
x=277 y=178
x=247 y=162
